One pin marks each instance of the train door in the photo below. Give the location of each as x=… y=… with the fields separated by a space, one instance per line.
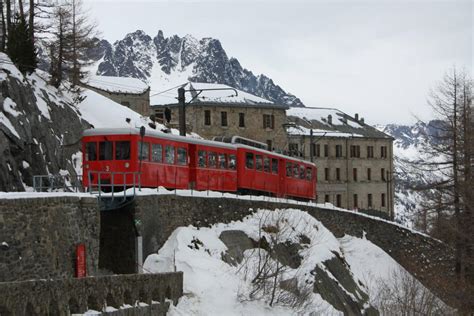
x=282 y=178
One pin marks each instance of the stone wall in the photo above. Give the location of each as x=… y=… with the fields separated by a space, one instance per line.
x=42 y=233
x=429 y=260
x=68 y=296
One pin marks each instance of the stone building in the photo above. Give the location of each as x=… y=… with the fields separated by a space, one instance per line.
x=227 y=113
x=354 y=160
x=130 y=92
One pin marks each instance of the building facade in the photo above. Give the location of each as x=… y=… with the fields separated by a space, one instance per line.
x=354 y=160
x=218 y=114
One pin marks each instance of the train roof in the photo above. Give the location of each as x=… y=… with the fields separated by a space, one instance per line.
x=192 y=140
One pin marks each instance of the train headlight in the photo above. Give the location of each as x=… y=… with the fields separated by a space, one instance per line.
x=127 y=165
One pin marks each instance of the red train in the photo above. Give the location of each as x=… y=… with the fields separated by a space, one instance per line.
x=187 y=163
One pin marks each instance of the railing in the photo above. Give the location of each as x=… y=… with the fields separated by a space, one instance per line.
x=50 y=183
x=111 y=194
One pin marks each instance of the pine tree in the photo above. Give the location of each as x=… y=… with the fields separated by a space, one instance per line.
x=20 y=47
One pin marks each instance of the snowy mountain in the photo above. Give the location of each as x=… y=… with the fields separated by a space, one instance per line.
x=165 y=62
x=410 y=146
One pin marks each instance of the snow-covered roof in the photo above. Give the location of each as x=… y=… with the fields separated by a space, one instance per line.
x=117 y=84
x=229 y=96
x=329 y=122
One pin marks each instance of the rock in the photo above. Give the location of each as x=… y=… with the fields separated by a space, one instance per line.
x=236 y=242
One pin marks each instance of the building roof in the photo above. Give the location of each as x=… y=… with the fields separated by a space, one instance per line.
x=117 y=84
x=329 y=122
x=229 y=97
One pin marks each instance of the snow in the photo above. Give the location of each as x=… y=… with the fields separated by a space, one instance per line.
x=6 y=122
x=25 y=164
x=6 y=64
x=301 y=130
x=222 y=96
x=102 y=112
x=213 y=287
x=321 y=115
x=10 y=107
x=117 y=84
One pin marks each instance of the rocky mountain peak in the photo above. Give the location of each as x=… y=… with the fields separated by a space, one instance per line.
x=160 y=59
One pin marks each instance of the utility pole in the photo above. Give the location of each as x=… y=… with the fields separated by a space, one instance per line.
x=311 y=145
x=182 y=112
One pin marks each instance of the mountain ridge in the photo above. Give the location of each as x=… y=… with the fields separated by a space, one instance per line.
x=168 y=61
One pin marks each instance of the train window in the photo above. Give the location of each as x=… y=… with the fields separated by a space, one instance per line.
x=143 y=151
x=156 y=153
x=122 y=150
x=296 y=171
x=91 y=151
x=258 y=162
x=275 y=166
x=212 y=157
x=266 y=164
x=222 y=161
x=249 y=160
x=302 y=172
x=202 y=159
x=182 y=156
x=309 y=174
x=105 y=150
x=289 y=167
x=169 y=154
x=232 y=162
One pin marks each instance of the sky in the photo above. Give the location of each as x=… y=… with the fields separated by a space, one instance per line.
x=380 y=58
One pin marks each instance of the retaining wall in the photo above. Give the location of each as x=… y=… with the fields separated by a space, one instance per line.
x=69 y=296
x=41 y=234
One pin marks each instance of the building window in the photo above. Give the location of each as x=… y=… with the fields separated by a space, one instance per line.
x=312 y=149
x=207 y=117
x=338 y=151
x=382 y=174
x=326 y=198
x=270 y=144
x=318 y=150
x=355 y=151
x=369 y=200
x=369 y=174
x=370 y=151
x=293 y=149
x=383 y=200
x=326 y=174
x=383 y=152
x=338 y=174
x=338 y=200
x=223 y=118
x=354 y=174
x=241 y=119
x=356 y=202
x=268 y=121
x=326 y=150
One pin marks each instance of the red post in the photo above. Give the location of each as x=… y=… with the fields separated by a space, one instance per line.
x=81 y=261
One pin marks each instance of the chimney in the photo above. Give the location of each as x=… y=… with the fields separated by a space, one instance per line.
x=362 y=120
x=330 y=119
x=356 y=116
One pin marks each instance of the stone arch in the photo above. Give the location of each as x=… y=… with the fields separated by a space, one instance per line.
x=92 y=303
x=73 y=306
x=127 y=298
x=111 y=301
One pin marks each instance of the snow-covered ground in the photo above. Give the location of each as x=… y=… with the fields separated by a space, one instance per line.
x=214 y=287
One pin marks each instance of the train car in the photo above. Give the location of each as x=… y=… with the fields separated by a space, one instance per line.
x=264 y=171
x=122 y=158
